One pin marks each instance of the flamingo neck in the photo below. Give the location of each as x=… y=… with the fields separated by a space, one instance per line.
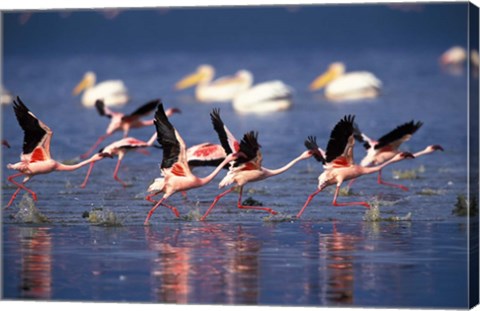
x=152 y=139
x=65 y=167
x=425 y=151
x=269 y=172
x=207 y=179
x=365 y=170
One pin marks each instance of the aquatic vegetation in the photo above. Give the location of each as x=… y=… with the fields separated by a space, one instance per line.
x=373 y=215
x=28 y=212
x=101 y=217
x=193 y=214
x=280 y=217
x=429 y=191
x=465 y=208
x=251 y=202
x=409 y=174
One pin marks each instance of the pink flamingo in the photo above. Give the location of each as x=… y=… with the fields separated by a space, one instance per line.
x=174 y=168
x=338 y=161
x=245 y=169
x=125 y=122
x=387 y=147
x=35 y=158
x=120 y=148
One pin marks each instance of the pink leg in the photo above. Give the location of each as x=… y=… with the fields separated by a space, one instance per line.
x=381 y=182
x=218 y=197
x=239 y=205
x=310 y=197
x=10 y=179
x=115 y=173
x=13 y=197
x=335 y=203
x=88 y=174
x=99 y=140
x=150 y=213
x=350 y=183
x=149 y=198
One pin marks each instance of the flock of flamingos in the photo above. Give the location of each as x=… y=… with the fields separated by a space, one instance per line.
x=242 y=158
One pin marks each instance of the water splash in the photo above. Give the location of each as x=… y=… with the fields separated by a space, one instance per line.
x=193 y=214
x=280 y=217
x=28 y=212
x=373 y=215
x=99 y=216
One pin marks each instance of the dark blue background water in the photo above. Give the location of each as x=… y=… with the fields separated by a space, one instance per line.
x=330 y=257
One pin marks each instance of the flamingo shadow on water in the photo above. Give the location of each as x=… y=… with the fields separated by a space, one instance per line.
x=245 y=169
x=338 y=161
x=36 y=158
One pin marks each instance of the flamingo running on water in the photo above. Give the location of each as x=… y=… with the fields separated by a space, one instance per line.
x=245 y=169
x=338 y=161
x=120 y=148
x=125 y=122
x=174 y=168
x=35 y=158
x=387 y=147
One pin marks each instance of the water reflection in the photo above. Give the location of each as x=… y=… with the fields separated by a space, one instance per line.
x=204 y=264
x=36 y=263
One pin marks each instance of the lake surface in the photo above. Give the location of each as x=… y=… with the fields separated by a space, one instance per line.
x=332 y=256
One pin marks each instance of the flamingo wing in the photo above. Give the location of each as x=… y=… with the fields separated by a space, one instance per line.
x=250 y=147
x=340 y=146
x=311 y=144
x=174 y=153
x=102 y=109
x=205 y=154
x=227 y=140
x=399 y=135
x=37 y=135
x=142 y=110
x=361 y=137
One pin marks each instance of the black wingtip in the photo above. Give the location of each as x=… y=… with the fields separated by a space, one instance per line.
x=311 y=145
x=100 y=105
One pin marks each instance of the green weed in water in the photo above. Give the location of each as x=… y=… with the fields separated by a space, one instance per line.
x=28 y=212
x=251 y=202
x=462 y=206
x=409 y=174
x=100 y=217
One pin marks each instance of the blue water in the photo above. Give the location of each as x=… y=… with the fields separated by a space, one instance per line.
x=329 y=257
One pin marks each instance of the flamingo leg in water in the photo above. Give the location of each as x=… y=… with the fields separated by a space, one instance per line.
x=310 y=197
x=382 y=182
x=350 y=183
x=115 y=173
x=20 y=186
x=335 y=203
x=95 y=145
x=218 y=197
x=88 y=174
x=152 y=210
x=239 y=205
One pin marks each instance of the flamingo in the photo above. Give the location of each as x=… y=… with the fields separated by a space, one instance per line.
x=174 y=168
x=387 y=147
x=35 y=158
x=221 y=90
x=113 y=92
x=120 y=148
x=125 y=122
x=340 y=86
x=338 y=161
x=245 y=169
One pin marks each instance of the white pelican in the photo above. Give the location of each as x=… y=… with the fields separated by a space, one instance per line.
x=454 y=56
x=221 y=90
x=5 y=96
x=347 y=86
x=264 y=97
x=112 y=92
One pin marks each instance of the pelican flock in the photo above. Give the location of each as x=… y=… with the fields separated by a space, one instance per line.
x=264 y=97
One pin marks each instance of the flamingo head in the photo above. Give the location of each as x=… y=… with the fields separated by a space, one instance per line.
x=433 y=148
x=171 y=111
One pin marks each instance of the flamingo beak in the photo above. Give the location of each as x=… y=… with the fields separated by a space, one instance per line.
x=322 y=80
x=189 y=81
x=80 y=86
x=437 y=147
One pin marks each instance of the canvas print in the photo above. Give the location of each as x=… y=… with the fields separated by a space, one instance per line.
x=288 y=155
